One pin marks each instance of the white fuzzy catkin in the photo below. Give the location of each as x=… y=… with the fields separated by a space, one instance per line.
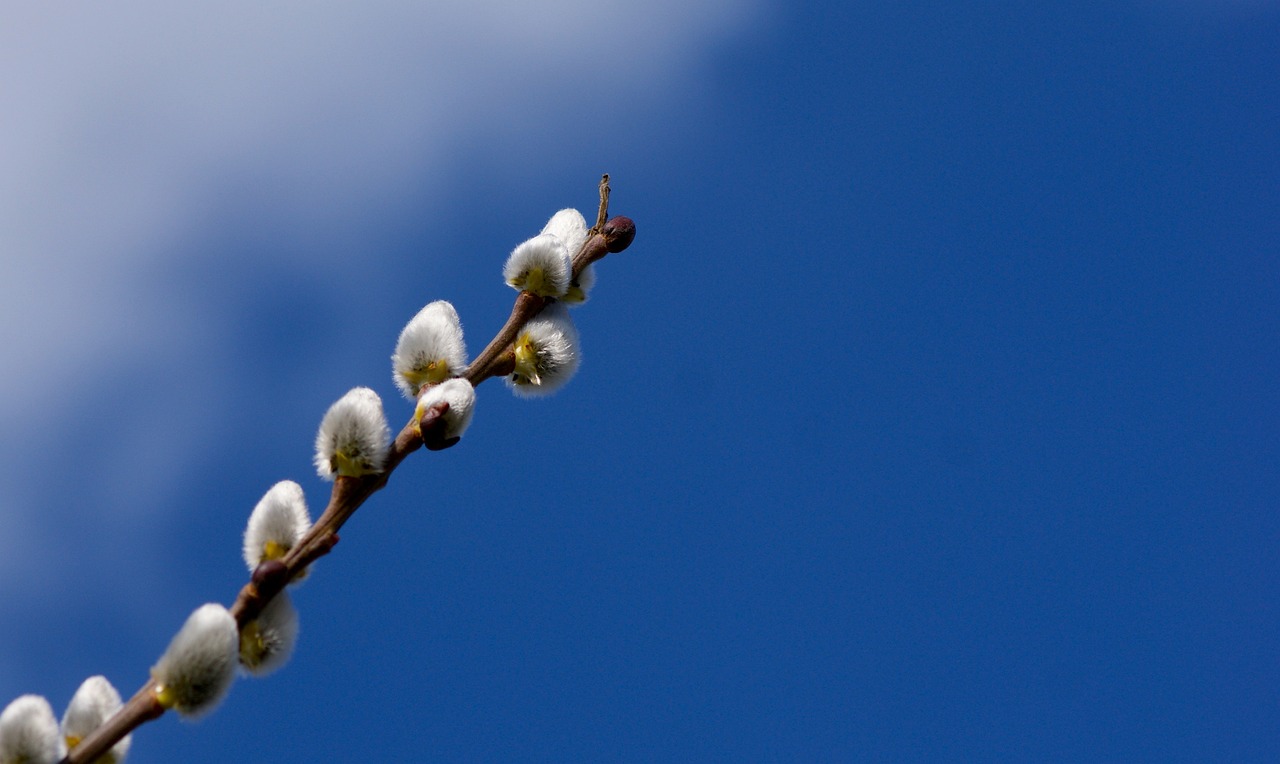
x=267 y=642
x=94 y=703
x=547 y=353
x=460 y=396
x=353 y=437
x=430 y=349
x=539 y=265
x=197 y=669
x=29 y=732
x=580 y=288
x=277 y=523
x=570 y=228
x=543 y=265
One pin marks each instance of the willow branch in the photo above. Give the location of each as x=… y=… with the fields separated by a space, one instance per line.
x=527 y=306
x=350 y=493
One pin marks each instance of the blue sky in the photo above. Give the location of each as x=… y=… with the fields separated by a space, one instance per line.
x=931 y=415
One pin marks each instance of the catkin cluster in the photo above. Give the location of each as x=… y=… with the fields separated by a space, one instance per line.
x=430 y=368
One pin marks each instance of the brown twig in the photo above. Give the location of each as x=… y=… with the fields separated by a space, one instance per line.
x=138 y=710
x=602 y=214
x=349 y=493
x=527 y=306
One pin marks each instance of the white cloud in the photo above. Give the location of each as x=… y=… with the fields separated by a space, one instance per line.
x=122 y=125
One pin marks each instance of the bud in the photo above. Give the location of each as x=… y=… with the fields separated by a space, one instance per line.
x=460 y=396
x=278 y=522
x=271 y=574
x=94 y=703
x=29 y=732
x=619 y=232
x=267 y=642
x=546 y=353
x=354 y=437
x=430 y=349
x=197 y=669
x=540 y=266
x=570 y=228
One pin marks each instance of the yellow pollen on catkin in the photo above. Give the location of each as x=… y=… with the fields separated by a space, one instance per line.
x=437 y=372
x=433 y=373
x=526 y=367
x=273 y=550
x=252 y=644
x=164 y=696
x=73 y=741
x=341 y=464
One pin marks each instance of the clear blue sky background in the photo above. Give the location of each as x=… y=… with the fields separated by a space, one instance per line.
x=932 y=415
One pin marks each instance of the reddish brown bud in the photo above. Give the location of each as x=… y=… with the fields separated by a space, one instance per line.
x=618 y=233
x=432 y=420
x=433 y=427
x=270 y=575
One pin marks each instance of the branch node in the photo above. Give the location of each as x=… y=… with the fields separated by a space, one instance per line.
x=432 y=423
x=270 y=574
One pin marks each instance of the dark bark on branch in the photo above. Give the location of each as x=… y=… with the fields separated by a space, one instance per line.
x=350 y=493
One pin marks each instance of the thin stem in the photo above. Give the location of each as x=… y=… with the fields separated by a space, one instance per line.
x=607 y=236
x=603 y=213
x=527 y=306
x=347 y=496
x=141 y=708
x=594 y=248
x=350 y=493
